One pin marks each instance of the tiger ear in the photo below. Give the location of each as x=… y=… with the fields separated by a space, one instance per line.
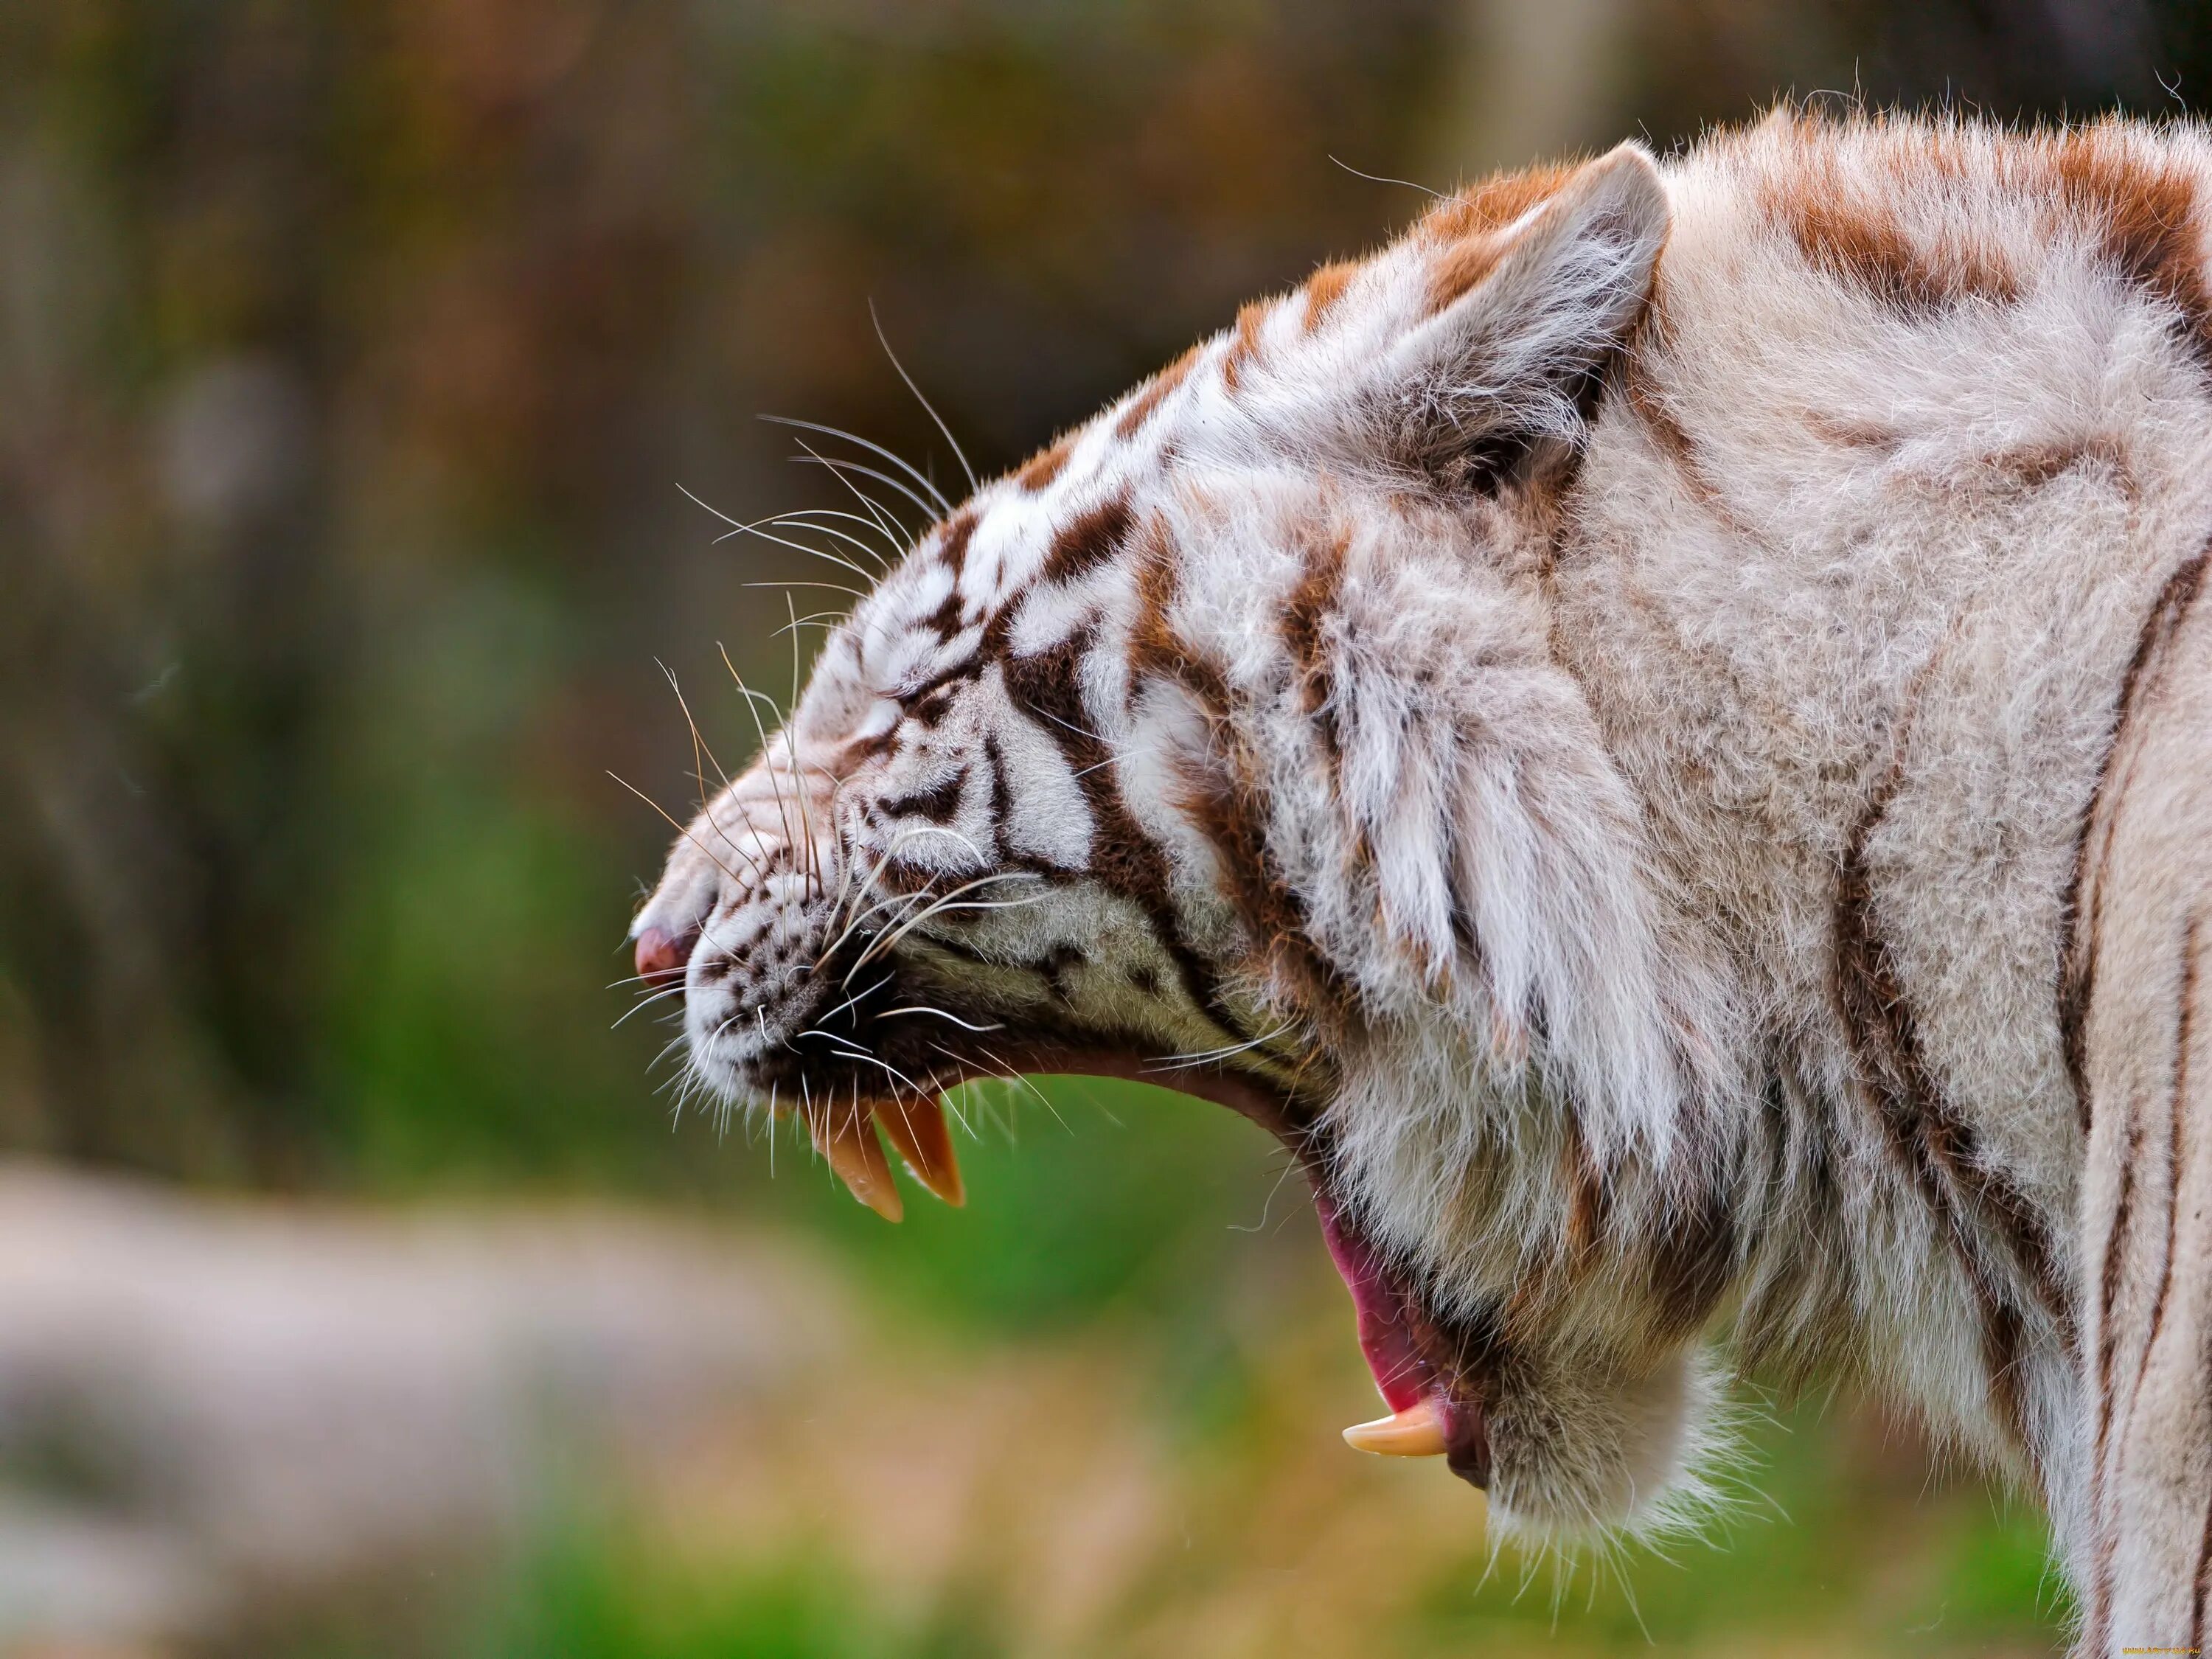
x=1515 y=322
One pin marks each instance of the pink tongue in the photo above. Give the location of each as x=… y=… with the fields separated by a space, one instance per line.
x=1383 y=1338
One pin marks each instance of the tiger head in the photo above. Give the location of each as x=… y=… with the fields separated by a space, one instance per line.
x=1221 y=746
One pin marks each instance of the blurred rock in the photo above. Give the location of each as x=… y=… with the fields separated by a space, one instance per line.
x=209 y=1408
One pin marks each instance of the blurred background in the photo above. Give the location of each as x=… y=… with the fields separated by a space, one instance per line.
x=360 y=1294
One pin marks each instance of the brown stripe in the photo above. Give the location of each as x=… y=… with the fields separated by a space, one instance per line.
x=1155 y=393
x=1666 y=433
x=1156 y=650
x=1306 y=614
x=1088 y=540
x=1496 y=201
x=953 y=548
x=2077 y=947
x=1123 y=857
x=2145 y=211
x=2176 y=1101
x=2004 y=1351
x=1852 y=236
x=1245 y=347
x=2108 y=1289
x=1933 y=1146
x=1041 y=468
x=1463 y=266
x=1324 y=288
x=2202 y=1580
x=1226 y=797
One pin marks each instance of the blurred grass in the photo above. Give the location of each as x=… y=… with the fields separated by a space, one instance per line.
x=1834 y=1577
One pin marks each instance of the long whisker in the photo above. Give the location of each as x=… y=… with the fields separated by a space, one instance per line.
x=679 y=828
x=752 y=708
x=711 y=508
x=1070 y=725
x=901 y=839
x=1171 y=1062
x=647 y=1001
x=698 y=747
x=827 y=621
x=892 y=531
x=944 y=504
x=876 y=526
x=891 y=937
x=854 y=1001
x=927 y=407
x=815 y=457
x=940 y=1013
x=1019 y=1078
x=837 y=559
x=833 y=587
x=791 y=745
x=803 y=521
x=698 y=743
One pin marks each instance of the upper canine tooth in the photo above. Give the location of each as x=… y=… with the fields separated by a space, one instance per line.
x=1416 y=1432
x=847 y=1139
x=916 y=1129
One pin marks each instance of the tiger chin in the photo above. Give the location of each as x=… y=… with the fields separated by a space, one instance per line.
x=1650 y=731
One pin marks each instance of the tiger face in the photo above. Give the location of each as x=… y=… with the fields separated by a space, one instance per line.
x=1220 y=746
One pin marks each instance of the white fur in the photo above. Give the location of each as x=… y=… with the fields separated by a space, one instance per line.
x=1675 y=814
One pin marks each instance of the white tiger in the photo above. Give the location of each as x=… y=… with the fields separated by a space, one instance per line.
x=1656 y=731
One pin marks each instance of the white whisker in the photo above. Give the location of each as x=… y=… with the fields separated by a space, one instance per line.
x=927 y=407
x=944 y=504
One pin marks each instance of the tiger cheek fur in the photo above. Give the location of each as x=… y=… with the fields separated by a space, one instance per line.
x=1639 y=730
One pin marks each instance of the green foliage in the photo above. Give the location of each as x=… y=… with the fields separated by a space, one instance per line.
x=592 y=1594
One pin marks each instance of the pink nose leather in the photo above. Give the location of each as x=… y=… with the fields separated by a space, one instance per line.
x=661 y=957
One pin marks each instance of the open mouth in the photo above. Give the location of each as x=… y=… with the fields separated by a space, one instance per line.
x=1429 y=1367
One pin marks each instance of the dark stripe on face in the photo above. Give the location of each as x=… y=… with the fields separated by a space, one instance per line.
x=1089 y=540
x=2077 y=946
x=940 y=804
x=1156 y=650
x=1228 y=804
x=945 y=620
x=953 y=549
x=1123 y=859
x=1225 y=796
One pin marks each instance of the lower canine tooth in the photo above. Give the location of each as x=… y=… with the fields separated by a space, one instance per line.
x=1416 y=1432
x=847 y=1139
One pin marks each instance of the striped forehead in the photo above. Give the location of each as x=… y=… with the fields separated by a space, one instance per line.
x=1268 y=390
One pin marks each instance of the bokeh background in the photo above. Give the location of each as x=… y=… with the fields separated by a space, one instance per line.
x=360 y=1293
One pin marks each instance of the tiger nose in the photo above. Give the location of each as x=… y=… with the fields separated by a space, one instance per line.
x=661 y=955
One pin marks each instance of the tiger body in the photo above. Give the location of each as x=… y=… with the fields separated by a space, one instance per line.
x=1652 y=730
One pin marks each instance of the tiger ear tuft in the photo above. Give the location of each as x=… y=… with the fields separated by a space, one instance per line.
x=1521 y=319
